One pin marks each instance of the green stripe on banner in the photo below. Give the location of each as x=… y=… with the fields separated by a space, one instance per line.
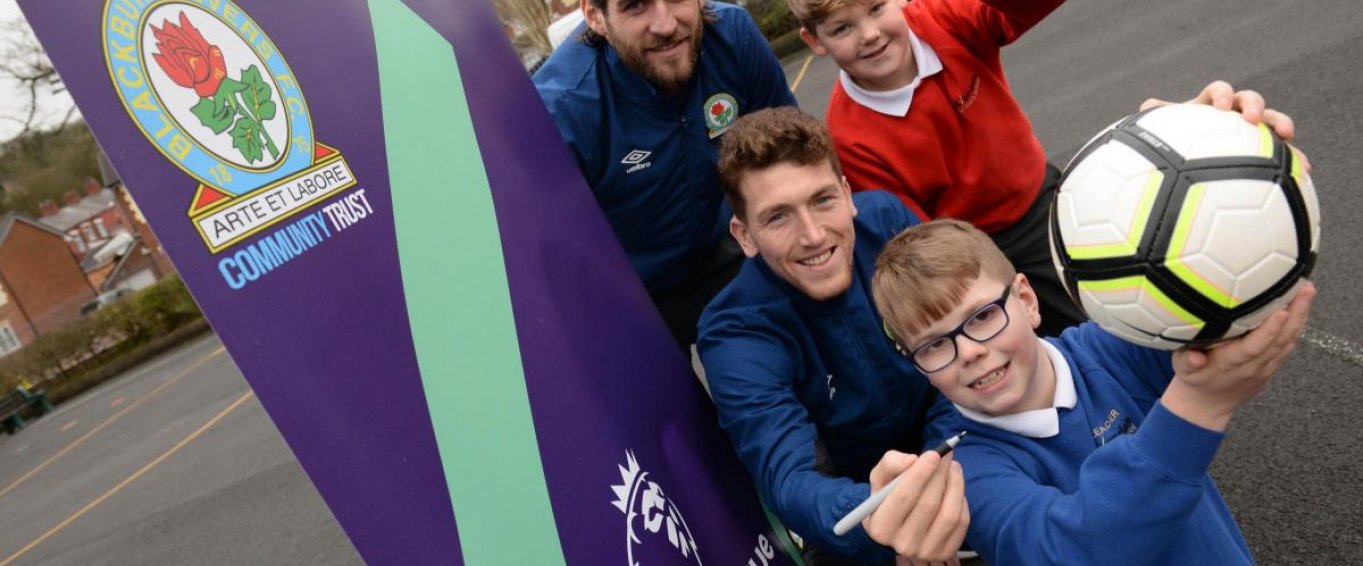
x=782 y=535
x=458 y=301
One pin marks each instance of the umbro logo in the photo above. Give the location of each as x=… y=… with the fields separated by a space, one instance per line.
x=636 y=160
x=636 y=156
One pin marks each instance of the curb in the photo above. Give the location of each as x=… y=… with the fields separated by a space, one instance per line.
x=60 y=392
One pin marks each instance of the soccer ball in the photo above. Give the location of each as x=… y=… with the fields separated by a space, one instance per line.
x=1184 y=225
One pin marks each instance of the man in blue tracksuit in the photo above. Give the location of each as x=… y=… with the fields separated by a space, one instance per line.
x=1082 y=449
x=643 y=100
x=808 y=387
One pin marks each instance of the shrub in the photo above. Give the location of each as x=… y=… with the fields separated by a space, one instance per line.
x=773 y=18
x=81 y=346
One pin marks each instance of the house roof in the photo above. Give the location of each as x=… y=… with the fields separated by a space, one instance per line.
x=7 y=222
x=122 y=263
x=118 y=245
x=73 y=214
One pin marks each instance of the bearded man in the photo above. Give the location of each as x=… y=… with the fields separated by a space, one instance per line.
x=642 y=102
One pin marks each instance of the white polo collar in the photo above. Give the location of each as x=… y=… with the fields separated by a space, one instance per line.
x=896 y=102
x=1039 y=423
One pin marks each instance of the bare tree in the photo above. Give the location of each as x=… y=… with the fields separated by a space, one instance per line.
x=52 y=152
x=23 y=60
x=45 y=163
x=529 y=19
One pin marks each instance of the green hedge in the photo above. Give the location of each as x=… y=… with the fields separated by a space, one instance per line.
x=92 y=341
x=773 y=18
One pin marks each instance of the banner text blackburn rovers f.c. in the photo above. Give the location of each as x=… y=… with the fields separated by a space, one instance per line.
x=376 y=214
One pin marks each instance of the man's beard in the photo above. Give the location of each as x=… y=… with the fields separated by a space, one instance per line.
x=669 y=79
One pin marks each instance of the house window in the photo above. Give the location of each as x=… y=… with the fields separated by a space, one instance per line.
x=88 y=231
x=99 y=227
x=74 y=238
x=8 y=341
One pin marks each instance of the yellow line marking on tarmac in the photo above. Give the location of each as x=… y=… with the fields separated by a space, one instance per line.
x=107 y=422
x=139 y=473
x=799 y=77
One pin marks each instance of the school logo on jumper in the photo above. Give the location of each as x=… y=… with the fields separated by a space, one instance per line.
x=208 y=88
x=720 y=112
x=649 y=513
x=964 y=101
x=1126 y=427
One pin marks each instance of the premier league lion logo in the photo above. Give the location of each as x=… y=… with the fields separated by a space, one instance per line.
x=650 y=514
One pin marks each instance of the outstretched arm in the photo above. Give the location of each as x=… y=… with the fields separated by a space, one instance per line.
x=1160 y=470
x=1134 y=497
x=1210 y=384
x=752 y=377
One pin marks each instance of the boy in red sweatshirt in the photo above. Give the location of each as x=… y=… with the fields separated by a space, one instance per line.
x=922 y=109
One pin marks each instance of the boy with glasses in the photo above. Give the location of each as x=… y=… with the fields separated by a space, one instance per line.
x=1083 y=449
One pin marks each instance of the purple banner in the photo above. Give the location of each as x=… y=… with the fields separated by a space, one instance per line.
x=374 y=211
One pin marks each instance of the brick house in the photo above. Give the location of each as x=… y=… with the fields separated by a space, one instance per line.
x=89 y=220
x=109 y=236
x=147 y=253
x=42 y=286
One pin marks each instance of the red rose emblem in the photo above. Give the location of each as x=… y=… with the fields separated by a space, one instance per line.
x=717 y=109
x=188 y=58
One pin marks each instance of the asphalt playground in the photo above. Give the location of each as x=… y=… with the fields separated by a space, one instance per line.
x=176 y=462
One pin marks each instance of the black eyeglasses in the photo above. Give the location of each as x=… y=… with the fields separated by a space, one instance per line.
x=981 y=326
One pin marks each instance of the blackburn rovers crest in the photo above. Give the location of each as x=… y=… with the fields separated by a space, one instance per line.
x=210 y=90
x=721 y=110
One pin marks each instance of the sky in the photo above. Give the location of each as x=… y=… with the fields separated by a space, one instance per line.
x=11 y=109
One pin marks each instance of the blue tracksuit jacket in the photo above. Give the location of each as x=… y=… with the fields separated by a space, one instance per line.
x=813 y=393
x=650 y=158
